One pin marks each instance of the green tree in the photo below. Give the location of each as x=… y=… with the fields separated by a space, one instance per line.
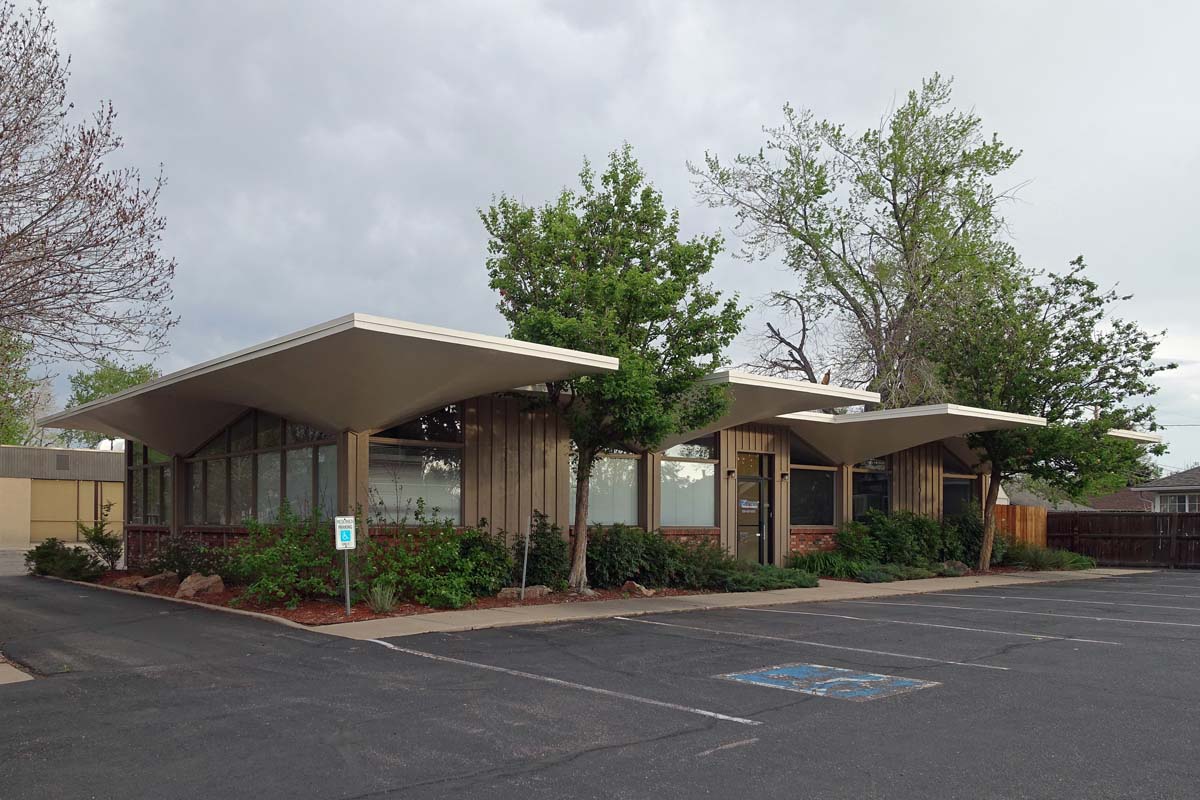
x=106 y=379
x=602 y=269
x=877 y=227
x=18 y=389
x=1050 y=347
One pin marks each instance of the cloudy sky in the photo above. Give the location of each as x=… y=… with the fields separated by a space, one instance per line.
x=325 y=158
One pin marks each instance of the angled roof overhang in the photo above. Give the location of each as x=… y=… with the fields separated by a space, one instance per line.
x=759 y=398
x=853 y=438
x=1142 y=437
x=357 y=372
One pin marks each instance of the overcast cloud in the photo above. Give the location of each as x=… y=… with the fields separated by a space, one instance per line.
x=325 y=158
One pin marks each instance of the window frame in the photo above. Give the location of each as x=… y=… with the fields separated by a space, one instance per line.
x=637 y=487
x=886 y=469
x=143 y=465
x=813 y=468
x=459 y=444
x=1191 y=502
x=715 y=460
x=227 y=455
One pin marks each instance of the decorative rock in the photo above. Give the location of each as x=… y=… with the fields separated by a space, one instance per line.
x=955 y=568
x=631 y=587
x=128 y=582
x=163 y=580
x=514 y=592
x=196 y=583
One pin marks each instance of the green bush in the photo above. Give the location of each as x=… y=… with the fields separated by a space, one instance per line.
x=284 y=562
x=828 y=564
x=54 y=558
x=382 y=597
x=616 y=554
x=488 y=561
x=107 y=546
x=968 y=528
x=857 y=543
x=1043 y=558
x=549 y=558
x=746 y=577
x=876 y=574
x=185 y=553
x=885 y=573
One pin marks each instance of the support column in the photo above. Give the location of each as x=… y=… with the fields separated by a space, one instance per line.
x=179 y=494
x=353 y=465
x=843 y=509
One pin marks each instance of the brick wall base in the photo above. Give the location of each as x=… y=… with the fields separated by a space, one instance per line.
x=811 y=540
x=712 y=535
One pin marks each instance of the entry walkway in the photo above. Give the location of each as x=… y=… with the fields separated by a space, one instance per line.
x=467 y=620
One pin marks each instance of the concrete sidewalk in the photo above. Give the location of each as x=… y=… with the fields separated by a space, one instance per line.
x=466 y=620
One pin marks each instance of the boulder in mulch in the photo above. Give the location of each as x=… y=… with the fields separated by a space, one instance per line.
x=514 y=592
x=196 y=583
x=128 y=582
x=154 y=583
x=634 y=588
x=954 y=568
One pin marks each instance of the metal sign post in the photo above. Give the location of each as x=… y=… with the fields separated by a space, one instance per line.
x=344 y=540
x=525 y=561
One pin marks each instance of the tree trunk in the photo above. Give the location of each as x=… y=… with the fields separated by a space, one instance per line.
x=577 y=579
x=989 y=521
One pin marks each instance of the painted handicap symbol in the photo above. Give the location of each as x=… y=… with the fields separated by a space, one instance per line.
x=822 y=681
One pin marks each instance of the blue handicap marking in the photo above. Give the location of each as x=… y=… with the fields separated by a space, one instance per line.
x=822 y=681
x=345 y=534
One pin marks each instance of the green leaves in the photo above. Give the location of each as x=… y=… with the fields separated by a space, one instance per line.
x=106 y=379
x=602 y=269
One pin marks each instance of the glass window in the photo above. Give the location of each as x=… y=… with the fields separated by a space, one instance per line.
x=155 y=457
x=612 y=492
x=270 y=430
x=166 y=495
x=195 y=475
x=299 y=478
x=241 y=435
x=153 y=489
x=443 y=425
x=958 y=496
x=136 y=478
x=689 y=493
x=214 y=506
x=1180 y=503
x=803 y=453
x=137 y=451
x=267 y=503
x=326 y=501
x=215 y=447
x=952 y=463
x=704 y=447
x=752 y=465
x=871 y=490
x=400 y=475
x=299 y=433
x=812 y=496
x=241 y=489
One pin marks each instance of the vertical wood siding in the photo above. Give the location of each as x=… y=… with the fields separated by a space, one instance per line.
x=515 y=462
x=917 y=480
x=755 y=438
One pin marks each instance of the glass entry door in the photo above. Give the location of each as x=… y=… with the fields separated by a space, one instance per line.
x=754 y=508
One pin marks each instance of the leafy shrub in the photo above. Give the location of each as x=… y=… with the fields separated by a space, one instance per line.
x=382 y=597
x=905 y=537
x=828 y=564
x=616 y=554
x=857 y=543
x=746 y=577
x=876 y=574
x=885 y=573
x=701 y=564
x=549 y=560
x=490 y=563
x=968 y=528
x=107 y=546
x=287 y=561
x=1043 y=558
x=54 y=558
x=185 y=553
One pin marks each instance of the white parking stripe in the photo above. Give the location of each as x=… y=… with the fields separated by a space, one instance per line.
x=1028 y=613
x=1167 y=585
x=811 y=644
x=1126 y=591
x=567 y=684
x=1045 y=636
x=1063 y=600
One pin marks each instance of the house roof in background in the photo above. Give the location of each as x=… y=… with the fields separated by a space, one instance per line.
x=1018 y=496
x=1124 y=500
x=356 y=372
x=1188 y=479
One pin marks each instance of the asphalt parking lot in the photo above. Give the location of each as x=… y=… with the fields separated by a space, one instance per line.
x=1082 y=689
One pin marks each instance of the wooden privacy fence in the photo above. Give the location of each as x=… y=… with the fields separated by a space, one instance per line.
x=1128 y=538
x=1024 y=524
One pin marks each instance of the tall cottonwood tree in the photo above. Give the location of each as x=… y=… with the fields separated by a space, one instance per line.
x=602 y=269
x=106 y=378
x=81 y=275
x=876 y=227
x=1049 y=346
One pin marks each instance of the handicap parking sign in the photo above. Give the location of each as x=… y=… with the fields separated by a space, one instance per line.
x=823 y=681
x=344 y=528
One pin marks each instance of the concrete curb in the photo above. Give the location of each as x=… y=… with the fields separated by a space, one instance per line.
x=469 y=620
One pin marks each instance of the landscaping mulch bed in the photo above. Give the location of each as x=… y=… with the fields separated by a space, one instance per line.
x=330 y=611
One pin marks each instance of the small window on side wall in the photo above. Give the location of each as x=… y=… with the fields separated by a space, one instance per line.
x=812 y=496
x=872 y=492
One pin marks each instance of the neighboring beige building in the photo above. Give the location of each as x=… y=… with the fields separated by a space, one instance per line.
x=47 y=491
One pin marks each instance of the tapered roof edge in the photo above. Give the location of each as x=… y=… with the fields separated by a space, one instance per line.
x=945 y=409
x=367 y=322
x=1136 y=436
x=736 y=377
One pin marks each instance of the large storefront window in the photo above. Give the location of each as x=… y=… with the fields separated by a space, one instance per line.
x=149 y=473
x=812 y=496
x=612 y=491
x=247 y=470
x=872 y=489
x=418 y=464
x=689 y=484
x=958 y=496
